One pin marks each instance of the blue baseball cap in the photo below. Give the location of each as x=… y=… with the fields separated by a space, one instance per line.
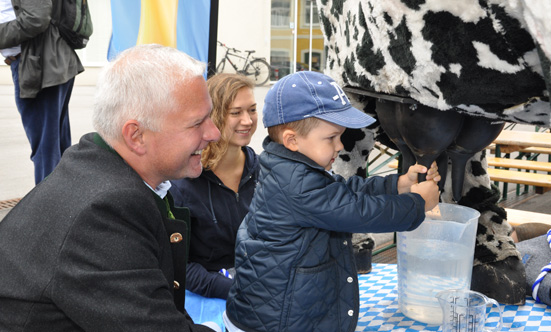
x=311 y=94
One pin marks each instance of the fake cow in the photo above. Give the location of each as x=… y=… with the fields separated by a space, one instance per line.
x=442 y=78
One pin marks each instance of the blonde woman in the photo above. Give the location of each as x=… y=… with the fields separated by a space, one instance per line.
x=219 y=198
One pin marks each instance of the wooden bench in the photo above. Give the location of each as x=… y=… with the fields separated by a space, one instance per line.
x=516 y=217
x=519 y=177
x=526 y=143
x=519 y=163
x=529 y=146
x=523 y=139
x=526 y=150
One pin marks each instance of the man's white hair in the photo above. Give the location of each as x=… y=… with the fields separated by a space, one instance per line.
x=139 y=85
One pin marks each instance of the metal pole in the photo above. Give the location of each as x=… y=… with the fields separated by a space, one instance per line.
x=213 y=37
x=294 y=64
x=311 y=28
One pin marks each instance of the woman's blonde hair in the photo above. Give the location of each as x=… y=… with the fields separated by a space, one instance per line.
x=223 y=89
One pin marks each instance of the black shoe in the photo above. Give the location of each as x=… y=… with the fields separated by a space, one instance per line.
x=363 y=259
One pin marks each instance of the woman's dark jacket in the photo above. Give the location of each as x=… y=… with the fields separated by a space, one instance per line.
x=216 y=211
x=295 y=269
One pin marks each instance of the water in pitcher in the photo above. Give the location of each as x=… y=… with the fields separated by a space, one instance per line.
x=425 y=268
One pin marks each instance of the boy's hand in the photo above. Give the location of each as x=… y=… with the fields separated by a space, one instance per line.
x=410 y=178
x=433 y=174
x=429 y=191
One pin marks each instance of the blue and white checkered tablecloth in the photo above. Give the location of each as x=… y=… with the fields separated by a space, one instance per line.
x=379 y=308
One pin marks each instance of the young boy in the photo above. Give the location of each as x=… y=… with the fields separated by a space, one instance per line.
x=294 y=260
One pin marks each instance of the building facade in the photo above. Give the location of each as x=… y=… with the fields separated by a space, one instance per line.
x=284 y=32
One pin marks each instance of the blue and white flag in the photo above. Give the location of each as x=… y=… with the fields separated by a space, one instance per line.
x=183 y=24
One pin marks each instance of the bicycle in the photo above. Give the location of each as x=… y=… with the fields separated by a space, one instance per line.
x=258 y=68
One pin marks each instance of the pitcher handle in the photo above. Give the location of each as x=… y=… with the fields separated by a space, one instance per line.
x=498 y=328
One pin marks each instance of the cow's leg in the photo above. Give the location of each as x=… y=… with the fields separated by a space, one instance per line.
x=358 y=143
x=353 y=161
x=475 y=135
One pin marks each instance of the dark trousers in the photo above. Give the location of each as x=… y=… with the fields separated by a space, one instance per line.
x=46 y=122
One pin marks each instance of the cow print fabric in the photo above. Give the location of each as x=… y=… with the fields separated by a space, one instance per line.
x=474 y=57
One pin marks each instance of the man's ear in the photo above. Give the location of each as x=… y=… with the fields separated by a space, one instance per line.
x=289 y=138
x=132 y=134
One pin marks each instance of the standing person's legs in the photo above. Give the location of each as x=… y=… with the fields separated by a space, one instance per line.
x=46 y=122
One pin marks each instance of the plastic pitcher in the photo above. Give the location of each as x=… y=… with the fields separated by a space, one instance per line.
x=465 y=311
x=436 y=256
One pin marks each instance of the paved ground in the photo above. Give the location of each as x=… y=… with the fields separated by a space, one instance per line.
x=3 y=213
x=16 y=168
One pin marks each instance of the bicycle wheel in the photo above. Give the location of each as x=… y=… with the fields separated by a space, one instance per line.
x=259 y=70
x=220 y=67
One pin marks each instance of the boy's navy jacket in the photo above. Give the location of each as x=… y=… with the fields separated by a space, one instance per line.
x=216 y=213
x=294 y=260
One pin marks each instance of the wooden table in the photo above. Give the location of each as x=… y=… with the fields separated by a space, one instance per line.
x=529 y=144
x=514 y=140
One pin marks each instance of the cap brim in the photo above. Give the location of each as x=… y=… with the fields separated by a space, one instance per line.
x=349 y=118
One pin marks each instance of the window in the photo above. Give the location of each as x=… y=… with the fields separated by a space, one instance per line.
x=279 y=61
x=306 y=13
x=316 y=59
x=281 y=13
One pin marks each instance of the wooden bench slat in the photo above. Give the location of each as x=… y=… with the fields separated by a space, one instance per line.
x=519 y=163
x=538 y=150
x=531 y=179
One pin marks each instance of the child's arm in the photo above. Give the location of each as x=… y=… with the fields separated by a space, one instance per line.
x=390 y=184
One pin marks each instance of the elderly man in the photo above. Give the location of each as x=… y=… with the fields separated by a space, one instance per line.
x=93 y=246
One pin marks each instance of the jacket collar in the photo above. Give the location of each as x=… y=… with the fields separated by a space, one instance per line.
x=99 y=141
x=250 y=170
x=251 y=162
x=250 y=173
x=179 y=213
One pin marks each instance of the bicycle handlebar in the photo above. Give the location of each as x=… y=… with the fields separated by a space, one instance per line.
x=228 y=48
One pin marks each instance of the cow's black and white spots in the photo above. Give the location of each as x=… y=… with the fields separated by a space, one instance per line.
x=475 y=57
